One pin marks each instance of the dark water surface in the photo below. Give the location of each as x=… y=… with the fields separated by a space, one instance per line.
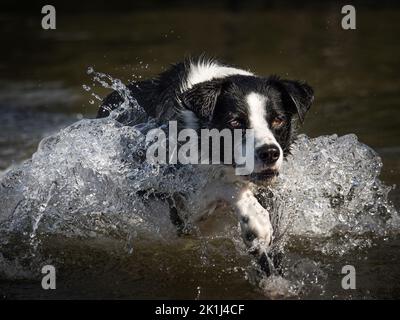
x=355 y=75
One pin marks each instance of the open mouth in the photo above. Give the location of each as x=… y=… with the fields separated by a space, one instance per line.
x=267 y=174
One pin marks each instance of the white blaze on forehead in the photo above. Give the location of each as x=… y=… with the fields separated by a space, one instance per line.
x=207 y=70
x=262 y=134
x=257 y=117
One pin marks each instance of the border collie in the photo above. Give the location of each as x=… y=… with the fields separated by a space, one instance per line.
x=205 y=93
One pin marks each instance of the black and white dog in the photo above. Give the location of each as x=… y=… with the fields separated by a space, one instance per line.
x=204 y=93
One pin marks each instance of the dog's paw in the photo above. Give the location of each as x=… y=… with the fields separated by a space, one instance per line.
x=254 y=221
x=256 y=229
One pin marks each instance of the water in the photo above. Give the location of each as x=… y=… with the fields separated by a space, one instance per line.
x=73 y=204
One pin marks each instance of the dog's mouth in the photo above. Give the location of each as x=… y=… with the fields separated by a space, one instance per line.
x=263 y=176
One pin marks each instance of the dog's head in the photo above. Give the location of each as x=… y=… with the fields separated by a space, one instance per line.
x=266 y=105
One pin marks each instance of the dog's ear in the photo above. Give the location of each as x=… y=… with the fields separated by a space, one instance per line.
x=202 y=98
x=297 y=96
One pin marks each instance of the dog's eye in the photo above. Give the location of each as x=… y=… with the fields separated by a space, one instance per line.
x=235 y=124
x=278 y=122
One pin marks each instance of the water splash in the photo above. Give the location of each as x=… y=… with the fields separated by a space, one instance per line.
x=330 y=185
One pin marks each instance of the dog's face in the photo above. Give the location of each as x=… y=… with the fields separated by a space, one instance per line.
x=266 y=105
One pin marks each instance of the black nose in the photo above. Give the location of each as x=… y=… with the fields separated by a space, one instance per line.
x=268 y=153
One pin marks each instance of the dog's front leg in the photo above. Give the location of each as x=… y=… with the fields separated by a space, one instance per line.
x=254 y=222
x=256 y=228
